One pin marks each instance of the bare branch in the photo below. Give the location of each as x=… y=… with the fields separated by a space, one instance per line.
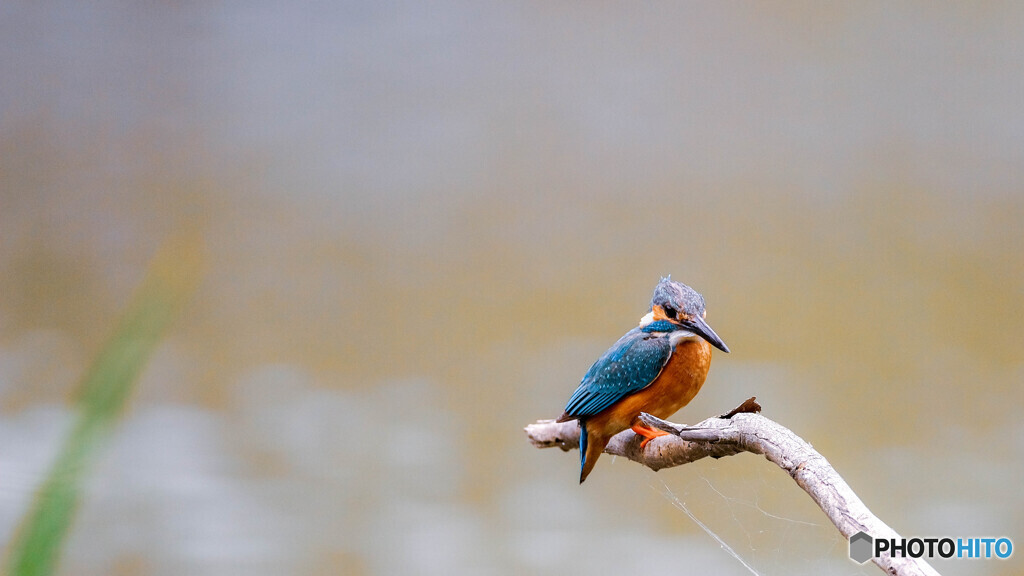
x=746 y=432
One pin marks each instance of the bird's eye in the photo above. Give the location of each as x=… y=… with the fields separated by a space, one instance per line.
x=670 y=312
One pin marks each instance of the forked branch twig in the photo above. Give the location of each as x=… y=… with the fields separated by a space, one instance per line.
x=742 y=430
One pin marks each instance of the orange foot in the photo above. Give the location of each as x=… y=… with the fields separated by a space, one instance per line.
x=647 y=433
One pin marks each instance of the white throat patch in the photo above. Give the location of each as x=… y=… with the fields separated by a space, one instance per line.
x=677 y=337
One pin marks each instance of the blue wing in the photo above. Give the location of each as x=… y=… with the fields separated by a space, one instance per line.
x=627 y=367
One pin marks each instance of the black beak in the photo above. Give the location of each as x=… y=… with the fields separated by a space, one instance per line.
x=698 y=326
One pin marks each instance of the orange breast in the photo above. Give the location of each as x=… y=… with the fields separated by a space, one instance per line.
x=677 y=384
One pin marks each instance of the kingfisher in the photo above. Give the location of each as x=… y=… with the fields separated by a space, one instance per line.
x=657 y=367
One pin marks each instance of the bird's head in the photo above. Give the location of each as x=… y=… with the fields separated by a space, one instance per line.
x=683 y=306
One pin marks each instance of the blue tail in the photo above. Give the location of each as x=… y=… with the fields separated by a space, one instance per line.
x=583 y=448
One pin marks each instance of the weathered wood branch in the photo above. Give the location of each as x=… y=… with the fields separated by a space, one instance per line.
x=746 y=432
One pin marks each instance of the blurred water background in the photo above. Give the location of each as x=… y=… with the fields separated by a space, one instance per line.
x=423 y=222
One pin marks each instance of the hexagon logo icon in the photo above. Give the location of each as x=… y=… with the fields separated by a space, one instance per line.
x=860 y=547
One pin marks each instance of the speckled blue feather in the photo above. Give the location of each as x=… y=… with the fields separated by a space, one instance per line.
x=659 y=326
x=626 y=368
